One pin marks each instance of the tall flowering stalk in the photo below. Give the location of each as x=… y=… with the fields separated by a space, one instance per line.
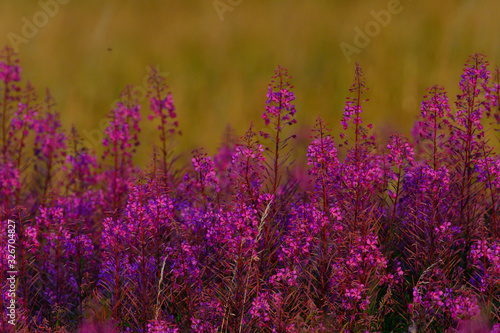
x=9 y=96
x=120 y=145
x=280 y=112
x=23 y=122
x=323 y=169
x=471 y=104
x=352 y=113
x=162 y=107
x=49 y=148
x=488 y=166
x=432 y=131
x=10 y=74
x=323 y=162
x=204 y=181
x=360 y=171
x=247 y=167
x=400 y=158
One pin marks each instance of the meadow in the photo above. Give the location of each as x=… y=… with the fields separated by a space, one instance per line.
x=370 y=235
x=249 y=166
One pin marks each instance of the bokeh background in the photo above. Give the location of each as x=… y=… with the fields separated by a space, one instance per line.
x=219 y=66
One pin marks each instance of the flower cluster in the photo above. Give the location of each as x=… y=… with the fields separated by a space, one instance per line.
x=10 y=71
x=279 y=108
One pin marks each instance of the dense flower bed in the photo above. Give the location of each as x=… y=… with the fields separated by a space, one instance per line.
x=378 y=236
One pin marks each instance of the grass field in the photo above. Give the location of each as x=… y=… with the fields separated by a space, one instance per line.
x=219 y=69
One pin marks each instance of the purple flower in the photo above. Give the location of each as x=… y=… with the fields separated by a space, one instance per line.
x=353 y=109
x=9 y=66
x=400 y=150
x=120 y=144
x=260 y=309
x=470 y=104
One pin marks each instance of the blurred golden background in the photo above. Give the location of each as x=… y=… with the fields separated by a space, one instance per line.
x=220 y=55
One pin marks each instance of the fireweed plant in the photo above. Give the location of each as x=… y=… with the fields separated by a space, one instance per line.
x=393 y=236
